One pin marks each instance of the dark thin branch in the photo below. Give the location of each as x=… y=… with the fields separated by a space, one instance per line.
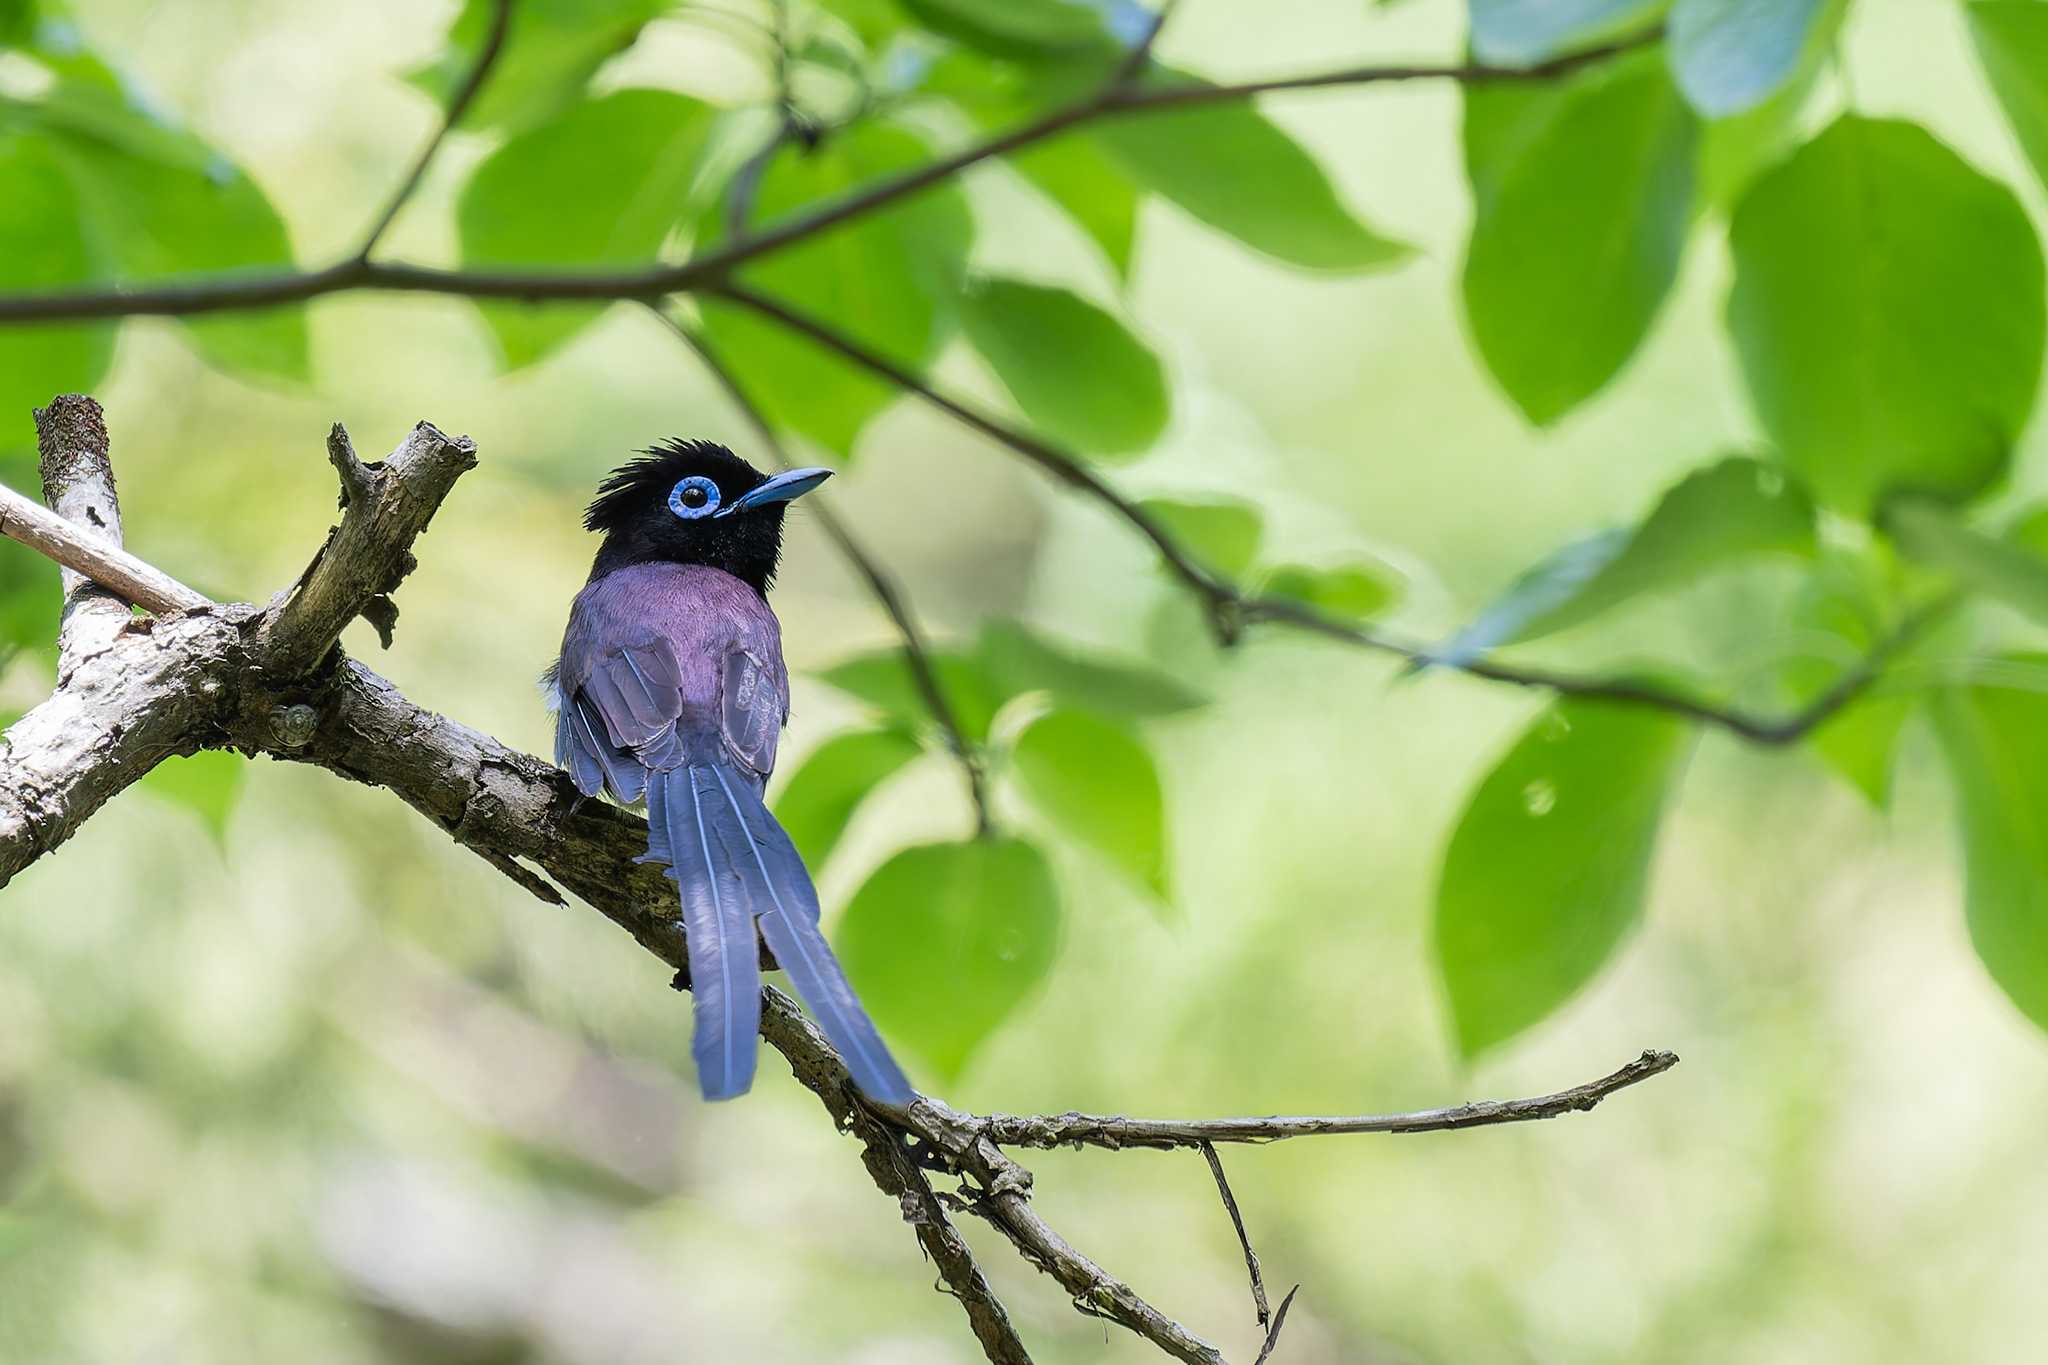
x=880 y=583
x=1230 y=608
x=1260 y=1308
x=1114 y=1131
x=270 y=290
x=1273 y=1332
x=465 y=95
x=1140 y=56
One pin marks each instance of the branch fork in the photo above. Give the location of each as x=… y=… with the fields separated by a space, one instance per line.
x=272 y=680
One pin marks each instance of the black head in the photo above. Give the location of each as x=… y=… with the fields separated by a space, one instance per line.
x=695 y=502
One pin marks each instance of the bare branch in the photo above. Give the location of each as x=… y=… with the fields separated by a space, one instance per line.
x=1260 y=1308
x=1140 y=56
x=214 y=678
x=465 y=95
x=1115 y=1131
x=886 y=590
x=78 y=485
x=110 y=566
x=1231 y=608
x=1273 y=1332
x=385 y=506
x=245 y=290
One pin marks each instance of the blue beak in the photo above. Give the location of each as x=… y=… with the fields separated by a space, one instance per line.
x=792 y=483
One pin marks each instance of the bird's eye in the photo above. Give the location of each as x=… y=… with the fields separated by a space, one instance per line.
x=694 y=497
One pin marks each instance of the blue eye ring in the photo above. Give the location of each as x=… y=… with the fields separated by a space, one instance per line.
x=693 y=498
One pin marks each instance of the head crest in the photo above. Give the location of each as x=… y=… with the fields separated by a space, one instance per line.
x=656 y=471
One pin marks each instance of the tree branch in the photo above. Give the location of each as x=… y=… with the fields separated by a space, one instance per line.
x=1230 y=608
x=1116 y=1132
x=248 y=290
x=458 y=105
x=385 y=506
x=1262 y=1310
x=232 y=675
x=885 y=589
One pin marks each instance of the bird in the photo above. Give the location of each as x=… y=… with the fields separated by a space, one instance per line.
x=671 y=688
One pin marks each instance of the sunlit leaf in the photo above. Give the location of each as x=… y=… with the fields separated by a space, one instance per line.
x=1996 y=742
x=1350 y=592
x=1546 y=872
x=1731 y=511
x=884 y=680
x=44 y=245
x=885 y=280
x=205 y=783
x=2012 y=43
x=945 y=941
x=1097 y=783
x=1583 y=201
x=551 y=51
x=1888 y=312
x=1228 y=166
x=835 y=778
x=1221 y=532
x=1732 y=55
x=1076 y=371
x=1516 y=32
x=615 y=175
x=1018 y=660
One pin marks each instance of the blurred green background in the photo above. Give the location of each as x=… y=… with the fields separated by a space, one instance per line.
x=318 y=1085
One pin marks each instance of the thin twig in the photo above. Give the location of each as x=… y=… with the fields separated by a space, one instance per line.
x=1262 y=1309
x=110 y=566
x=1273 y=1332
x=1230 y=608
x=458 y=105
x=1140 y=56
x=1114 y=1131
x=884 y=587
x=245 y=290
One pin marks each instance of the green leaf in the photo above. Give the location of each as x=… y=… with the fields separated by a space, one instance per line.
x=1888 y=312
x=883 y=679
x=1731 y=55
x=1227 y=166
x=30 y=596
x=1018 y=660
x=551 y=51
x=1996 y=742
x=1583 y=198
x=946 y=940
x=1351 y=592
x=883 y=279
x=1096 y=781
x=616 y=175
x=44 y=245
x=1095 y=191
x=1017 y=28
x=1517 y=32
x=205 y=783
x=2012 y=45
x=167 y=211
x=1928 y=531
x=1842 y=607
x=1221 y=532
x=1546 y=871
x=1731 y=511
x=1076 y=372
x=835 y=778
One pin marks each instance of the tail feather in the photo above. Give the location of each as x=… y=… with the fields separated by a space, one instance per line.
x=708 y=851
x=789 y=921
